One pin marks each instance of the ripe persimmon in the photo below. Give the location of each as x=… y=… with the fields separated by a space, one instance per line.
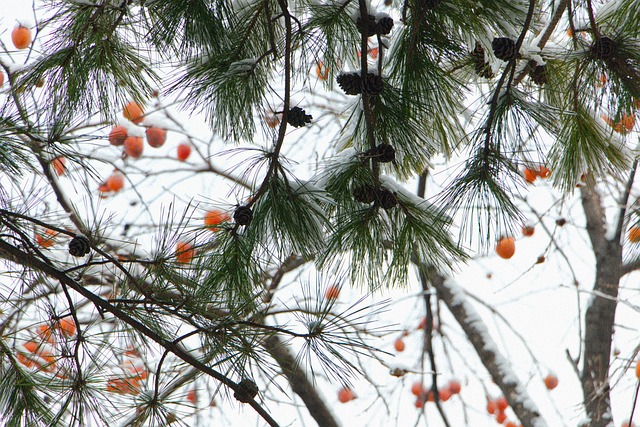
x=67 y=327
x=213 y=218
x=506 y=247
x=501 y=417
x=638 y=369
x=46 y=239
x=184 y=151
x=156 y=137
x=455 y=386
x=21 y=37
x=491 y=407
x=399 y=345
x=123 y=385
x=417 y=388
x=530 y=175
x=444 y=394
x=31 y=346
x=134 y=146
x=544 y=172
x=59 y=165
x=192 y=397
x=634 y=234
x=345 y=395
x=24 y=360
x=117 y=135
x=332 y=292
x=502 y=404
x=551 y=381
x=184 y=252
x=46 y=334
x=419 y=403
x=1 y=78
x=322 y=71
x=528 y=230
x=115 y=182
x=133 y=112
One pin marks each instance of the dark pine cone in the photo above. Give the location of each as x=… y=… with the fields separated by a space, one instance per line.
x=385 y=153
x=369 y=28
x=482 y=68
x=539 y=75
x=243 y=215
x=79 y=245
x=384 y=25
x=504 y=48
x=296 y=117
x=604 y=48
x=365 y=193
x=372 y=84
x=247 y=390
x=429 y=4
x=350 y=83
x=386 y=199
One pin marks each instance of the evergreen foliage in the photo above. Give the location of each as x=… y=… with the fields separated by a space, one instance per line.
x=464 y=81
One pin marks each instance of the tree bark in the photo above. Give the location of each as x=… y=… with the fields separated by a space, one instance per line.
x=600 y=315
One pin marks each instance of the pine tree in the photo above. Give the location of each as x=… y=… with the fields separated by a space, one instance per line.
x=139 y=286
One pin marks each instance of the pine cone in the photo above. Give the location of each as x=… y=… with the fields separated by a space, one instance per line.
x=384 y=26
x=604 y=48
x=367 y=28
x=247 y=390
x=243 y=215
x=539 y=75
x=482 y=68
x=504 y=48
x=350 y=83
x=79 y=246
x=365 y=193
x=386 y=199
x=372 y=84
x=296 y=117
x=385 y=153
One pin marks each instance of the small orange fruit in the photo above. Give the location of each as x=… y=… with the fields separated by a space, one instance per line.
x=59 y=165
x=117 y=135
x=431 y=396
x=271 y=119
x=192 y=397
x=502 y=404
x=104 y=190
x=419 y=403
x=31 y=346
x=46 y=334
x=115 y=182
x=506 y=247
x=628 y=121
x=399 y=345
x=21 y=37
x=638 y=369
x=528 y=230
x=134 y=146
x=626 y=424
x=123 y=385
x=156 y=137
x=491 y=407
x=501 y=417
x=67 y=327
x=322 y=71
x=634 y=234
x=332 y=293
x=530 y=175
x=24 y=360
x=444 y=394
x=510 y=424
x=1 y=78
x=551 y=381
x=184 y=151
x=213 y=218
x=184 y=252
x=544 y=172
x=455 y=386
x=47 y=239
x=345 y=395
x=417 y=388
x=133 y=112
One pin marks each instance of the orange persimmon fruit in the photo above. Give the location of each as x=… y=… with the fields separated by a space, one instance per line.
x=184 y=151
x=399 y=345
x=115 y=182
x=322 y=71
x=506 y=247
x=156 y=137
x=21 y=37
x=345 y=395
x=530 y=175
x=184 y=252
x=213 y=218
x=117 y=135
x=134 y=146
x=59 y=165
x=634 y=234
x=528 y=230
x=48 y=239
x=132 y=111
x=332 y=293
